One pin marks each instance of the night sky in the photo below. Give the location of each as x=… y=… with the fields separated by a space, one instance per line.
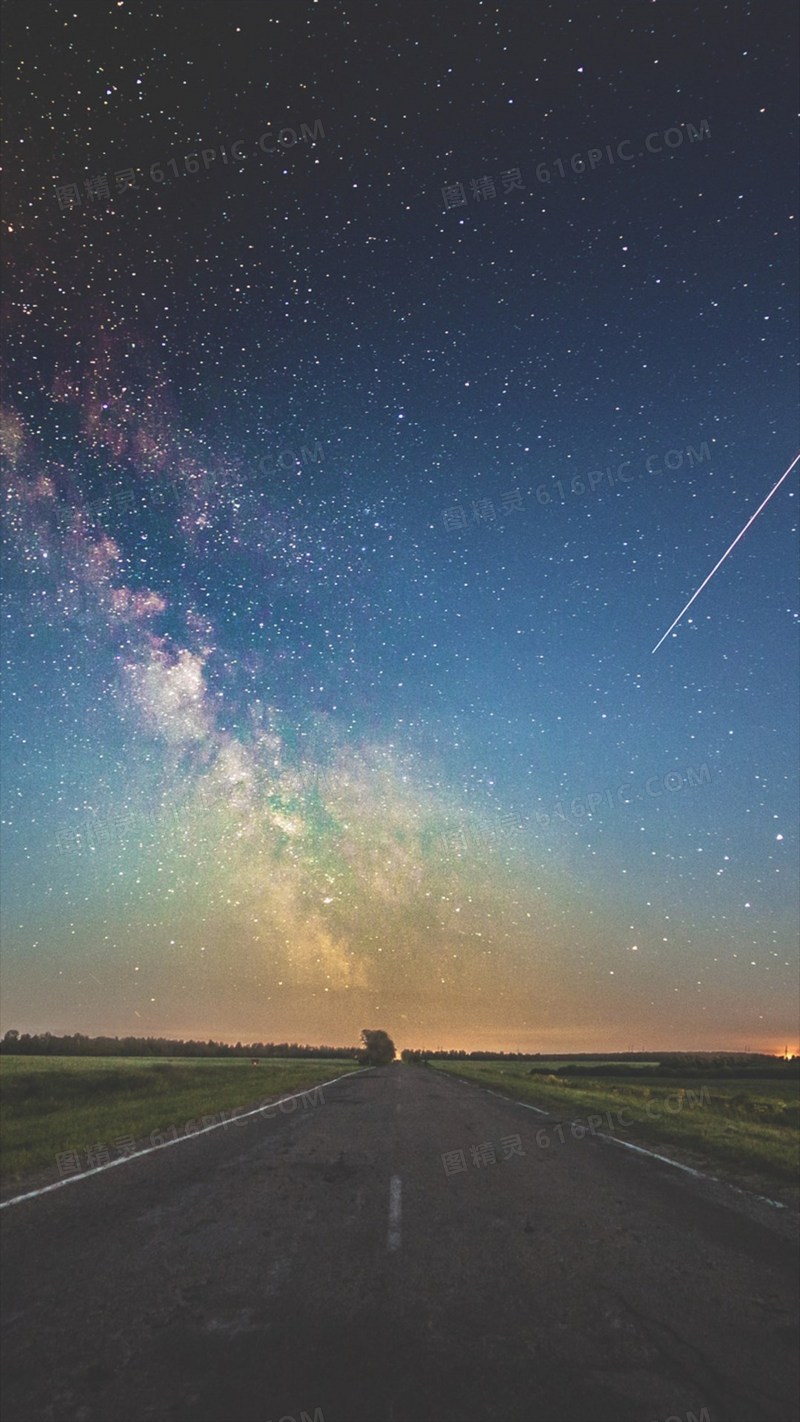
x=380 y=382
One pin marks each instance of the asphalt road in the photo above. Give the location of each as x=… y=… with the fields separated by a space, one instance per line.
x=325 y=1262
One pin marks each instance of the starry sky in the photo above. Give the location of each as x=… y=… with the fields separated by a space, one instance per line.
x=380 y=382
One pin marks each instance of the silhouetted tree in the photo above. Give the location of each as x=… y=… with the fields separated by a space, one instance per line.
x=378 y=1048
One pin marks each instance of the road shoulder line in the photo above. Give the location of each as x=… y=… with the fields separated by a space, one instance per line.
x=180 y=1140
x=640 y=1150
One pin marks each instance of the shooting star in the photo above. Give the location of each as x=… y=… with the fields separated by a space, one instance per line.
x=752 y=519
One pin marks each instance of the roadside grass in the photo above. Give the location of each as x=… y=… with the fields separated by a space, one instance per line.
x=745 y=1132
x=53 y=1105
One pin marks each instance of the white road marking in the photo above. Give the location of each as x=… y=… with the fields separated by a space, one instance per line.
x=526 y=1104
x=393 y=1238
x=628 y=1145
x=678 y=1165
x=148 y=1150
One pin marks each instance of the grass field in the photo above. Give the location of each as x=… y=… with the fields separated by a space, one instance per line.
x=82 y=1108
x=742 y=1131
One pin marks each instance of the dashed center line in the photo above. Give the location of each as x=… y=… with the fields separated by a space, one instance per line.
x=394 y=1237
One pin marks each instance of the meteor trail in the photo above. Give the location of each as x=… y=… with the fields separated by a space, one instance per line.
x=754 y=516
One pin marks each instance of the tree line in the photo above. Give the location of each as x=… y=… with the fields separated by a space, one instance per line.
x=678 y=1058
x=79 y=1045
x=756 y=1064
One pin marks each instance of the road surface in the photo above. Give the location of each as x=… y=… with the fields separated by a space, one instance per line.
x=338 y=1261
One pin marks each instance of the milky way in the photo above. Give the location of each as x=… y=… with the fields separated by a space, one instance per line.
x=376 y=386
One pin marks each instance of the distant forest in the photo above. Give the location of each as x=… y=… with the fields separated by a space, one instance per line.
x=45 y=1044
x=719 y=1064
x=720 y=1058
x=574 y=1063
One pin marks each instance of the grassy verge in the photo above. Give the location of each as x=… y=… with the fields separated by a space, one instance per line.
x=742 y=1131
x=65 y=1114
